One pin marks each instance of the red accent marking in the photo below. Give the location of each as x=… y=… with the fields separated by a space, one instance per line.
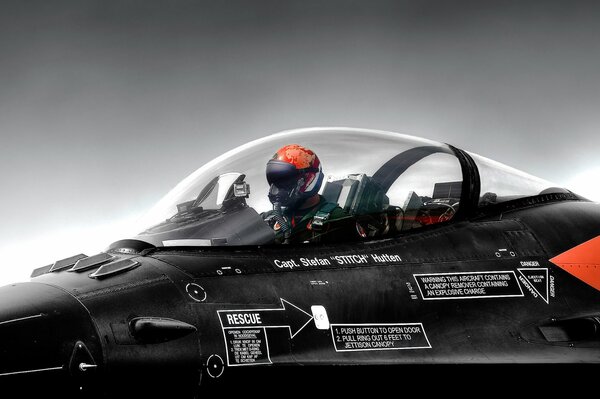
x=582 y=261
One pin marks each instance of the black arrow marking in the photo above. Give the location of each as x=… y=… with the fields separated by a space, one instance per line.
x=288 y=316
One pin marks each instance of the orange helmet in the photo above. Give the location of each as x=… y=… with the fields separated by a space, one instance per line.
x=294 y=174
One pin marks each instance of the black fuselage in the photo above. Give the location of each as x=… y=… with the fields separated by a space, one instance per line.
x=477 y=291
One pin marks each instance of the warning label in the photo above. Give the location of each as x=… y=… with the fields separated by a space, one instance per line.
x=496 y=284
x=369 y=337
x=536 y=281
x=246 y=346
x=245 y=331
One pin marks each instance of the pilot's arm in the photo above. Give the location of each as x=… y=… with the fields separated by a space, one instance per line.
x=279 y=224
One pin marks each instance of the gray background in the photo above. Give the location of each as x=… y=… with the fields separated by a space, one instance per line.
x=106 y=105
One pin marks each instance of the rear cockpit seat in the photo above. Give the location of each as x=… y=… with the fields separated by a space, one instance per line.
x=364 y=199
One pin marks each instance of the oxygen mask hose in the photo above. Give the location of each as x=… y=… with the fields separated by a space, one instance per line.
x=285 y=227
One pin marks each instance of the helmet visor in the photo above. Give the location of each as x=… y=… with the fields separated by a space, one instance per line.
x=281 y=174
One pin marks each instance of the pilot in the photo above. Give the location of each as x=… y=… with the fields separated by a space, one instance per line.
x=300 y=213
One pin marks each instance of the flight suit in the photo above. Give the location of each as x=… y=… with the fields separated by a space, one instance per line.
x=324 y=222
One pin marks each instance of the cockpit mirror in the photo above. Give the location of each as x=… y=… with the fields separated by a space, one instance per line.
x=225 y=187
x=232 y=190
x=241 y=190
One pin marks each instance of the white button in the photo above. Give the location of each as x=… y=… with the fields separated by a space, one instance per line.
x=320 y=317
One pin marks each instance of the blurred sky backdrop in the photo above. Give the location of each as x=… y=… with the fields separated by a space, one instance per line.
x=106 y=105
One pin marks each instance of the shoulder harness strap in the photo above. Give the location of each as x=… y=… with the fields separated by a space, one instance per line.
x=322 y=215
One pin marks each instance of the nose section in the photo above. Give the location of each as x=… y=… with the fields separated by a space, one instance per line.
x=45 y=335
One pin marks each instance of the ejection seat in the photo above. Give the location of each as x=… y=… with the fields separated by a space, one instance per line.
x=440 y=207
x=365 y=200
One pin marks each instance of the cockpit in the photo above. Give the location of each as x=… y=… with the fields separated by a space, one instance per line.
x=384 y=184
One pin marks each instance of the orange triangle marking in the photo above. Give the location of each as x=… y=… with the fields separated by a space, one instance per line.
x=582 y=261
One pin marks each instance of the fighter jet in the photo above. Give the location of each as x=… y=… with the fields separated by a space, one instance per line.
x=317 y=247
